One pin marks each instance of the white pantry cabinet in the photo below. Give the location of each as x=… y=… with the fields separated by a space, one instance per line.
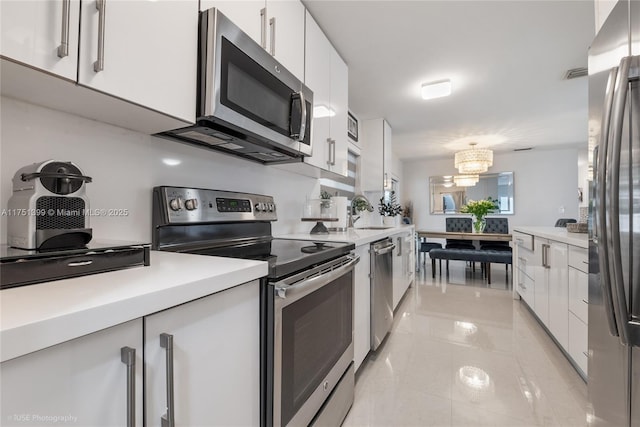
x=212 y=346
x=362 y=306
x=327 y=75
x=126 y=49
x=84 y=380
x=276 y=25
x=376 y=155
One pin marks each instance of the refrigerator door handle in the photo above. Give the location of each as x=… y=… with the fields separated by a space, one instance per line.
x=598 y=215
x=613 y=218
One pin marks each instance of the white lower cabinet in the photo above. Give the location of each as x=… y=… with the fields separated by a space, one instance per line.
x=362 y=306
x=558 y=292
x=97 y=379
x=215 y=360
x=541 y=287
x=403 y=265
x=578 y=341
x=81 y=382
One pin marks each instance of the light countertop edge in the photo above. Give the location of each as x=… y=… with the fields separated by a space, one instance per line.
x=358 y=236
x=559 y=234
x=37 y=316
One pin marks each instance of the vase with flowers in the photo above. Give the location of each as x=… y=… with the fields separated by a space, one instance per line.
x=479 y=209
x=389 y=209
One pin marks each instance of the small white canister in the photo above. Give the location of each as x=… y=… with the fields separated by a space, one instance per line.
x=342 y=205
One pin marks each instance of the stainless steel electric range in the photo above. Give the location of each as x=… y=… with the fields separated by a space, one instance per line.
x=307 y=298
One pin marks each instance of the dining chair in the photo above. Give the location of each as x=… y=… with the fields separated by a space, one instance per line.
x=562 y=222
x=460 y=225
x=496 y=226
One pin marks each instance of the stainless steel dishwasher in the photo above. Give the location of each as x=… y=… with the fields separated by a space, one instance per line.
x=381 y=290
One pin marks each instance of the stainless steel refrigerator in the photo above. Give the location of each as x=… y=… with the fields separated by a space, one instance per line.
x=614 y=240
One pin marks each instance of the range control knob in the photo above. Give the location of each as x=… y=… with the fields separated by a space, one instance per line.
x=271 y=206
x=191 y=204
x=176 y=204
x=260 y=207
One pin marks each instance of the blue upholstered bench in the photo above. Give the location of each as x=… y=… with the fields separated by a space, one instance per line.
x=486 y=257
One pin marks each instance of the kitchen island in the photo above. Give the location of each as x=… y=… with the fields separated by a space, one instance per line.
x=551 y=278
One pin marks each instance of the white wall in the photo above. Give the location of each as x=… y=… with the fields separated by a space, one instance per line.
x=126 y=165
x=546 y=182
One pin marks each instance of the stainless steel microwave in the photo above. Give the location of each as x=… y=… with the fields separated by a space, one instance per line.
x=249 y=105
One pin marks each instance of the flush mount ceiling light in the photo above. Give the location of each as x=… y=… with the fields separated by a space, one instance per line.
x=436 y=89
x=473 y=160
x=466 y=180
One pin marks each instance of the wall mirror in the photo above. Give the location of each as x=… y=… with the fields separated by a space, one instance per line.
x=447 y=197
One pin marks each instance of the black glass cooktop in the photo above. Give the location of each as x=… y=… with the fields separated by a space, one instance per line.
x=285 y=256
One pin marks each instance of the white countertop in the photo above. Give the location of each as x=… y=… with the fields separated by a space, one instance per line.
x=359 y=236
x=559 y=234
x=37 y=316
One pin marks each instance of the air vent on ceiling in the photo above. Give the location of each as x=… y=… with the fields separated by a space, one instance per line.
x=523 y=149
x=574 y=73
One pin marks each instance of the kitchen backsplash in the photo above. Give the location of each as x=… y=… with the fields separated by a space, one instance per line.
x=126 y=165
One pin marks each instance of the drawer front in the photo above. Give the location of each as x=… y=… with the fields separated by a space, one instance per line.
x=523 y=240
x=578 y=342
x=579 y=294
x=525 y=289
x=579 y=258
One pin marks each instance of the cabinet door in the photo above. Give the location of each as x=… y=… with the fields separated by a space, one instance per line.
x=362 y=307
x=541 y=278
x=149 y=56
x=339 y=103
x=317 y=78
x=33 y=33
x=246 y=14
x=285 y=38
x=387 y=157
x=372 y=158
x=559 y=292
x=83 y=379
x=216 y=360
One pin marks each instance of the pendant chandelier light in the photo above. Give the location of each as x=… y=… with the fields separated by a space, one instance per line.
x=473 y=160
x=466 y=180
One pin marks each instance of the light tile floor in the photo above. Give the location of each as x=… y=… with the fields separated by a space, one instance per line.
x=462 y=353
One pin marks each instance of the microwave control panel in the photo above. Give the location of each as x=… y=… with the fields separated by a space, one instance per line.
x=196 y=205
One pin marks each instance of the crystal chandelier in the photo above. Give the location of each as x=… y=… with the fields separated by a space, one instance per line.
x=474 y=160
x=466 y=180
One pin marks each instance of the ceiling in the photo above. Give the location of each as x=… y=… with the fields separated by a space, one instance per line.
x=506 y=61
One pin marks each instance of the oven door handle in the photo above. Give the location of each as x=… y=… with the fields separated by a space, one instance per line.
x=305 y=287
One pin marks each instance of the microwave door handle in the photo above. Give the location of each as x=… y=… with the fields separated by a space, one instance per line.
x=303 y=117
x=613 y=208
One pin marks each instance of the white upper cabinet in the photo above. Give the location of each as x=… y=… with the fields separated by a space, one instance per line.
x=376 y=158
x=141 y=53
x=42 y=34
x=248 y=15
x=326 y=74
x=276 y=25
x=149 y=55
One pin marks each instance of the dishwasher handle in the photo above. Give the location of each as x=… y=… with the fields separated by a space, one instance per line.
x=384 y=250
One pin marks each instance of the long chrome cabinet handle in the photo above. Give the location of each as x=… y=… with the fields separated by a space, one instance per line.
x=101 y=5
x=128 y=357
x=166 y=342
x=63 y=49
x=272 y=42
x=399 y=246
x=613 y=180
x=263 y=27
x=601 y=160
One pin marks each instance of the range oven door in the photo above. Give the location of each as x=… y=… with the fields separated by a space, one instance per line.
x=313 y=339
x=243 y=87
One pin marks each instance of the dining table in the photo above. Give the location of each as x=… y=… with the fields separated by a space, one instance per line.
x=435 y=234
